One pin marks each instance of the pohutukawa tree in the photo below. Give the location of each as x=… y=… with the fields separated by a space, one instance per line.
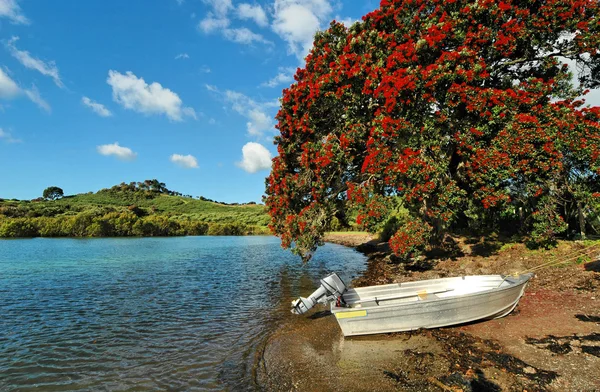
x=465 y=110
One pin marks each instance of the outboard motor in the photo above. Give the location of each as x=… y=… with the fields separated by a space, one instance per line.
x=331 y=289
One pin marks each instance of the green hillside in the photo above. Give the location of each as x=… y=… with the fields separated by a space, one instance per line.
x=135 y=209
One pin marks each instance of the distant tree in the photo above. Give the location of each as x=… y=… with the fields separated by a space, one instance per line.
x=53 y=193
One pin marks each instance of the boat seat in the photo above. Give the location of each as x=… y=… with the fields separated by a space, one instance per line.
x=427 y=296
x=420 y=294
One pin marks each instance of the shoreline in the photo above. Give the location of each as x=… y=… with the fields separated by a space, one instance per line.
x=550 y=342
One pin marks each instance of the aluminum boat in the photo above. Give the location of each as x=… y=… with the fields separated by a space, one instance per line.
x=414 y=305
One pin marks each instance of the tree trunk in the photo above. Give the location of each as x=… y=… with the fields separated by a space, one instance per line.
x=340 y=214
x=437 y=223
x=581 y=220
x=521 y=218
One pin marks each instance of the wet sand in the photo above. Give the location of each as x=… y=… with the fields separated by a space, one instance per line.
x=550 y=342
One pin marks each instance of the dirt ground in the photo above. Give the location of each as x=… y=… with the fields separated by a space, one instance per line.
x=551 y=342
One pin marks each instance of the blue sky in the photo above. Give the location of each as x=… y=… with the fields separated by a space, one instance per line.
x=98 y=92
x=94 y=93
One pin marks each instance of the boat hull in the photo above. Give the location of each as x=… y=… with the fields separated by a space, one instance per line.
x=428 y=304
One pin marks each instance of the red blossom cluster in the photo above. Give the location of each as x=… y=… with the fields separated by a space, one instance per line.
x=409 y=238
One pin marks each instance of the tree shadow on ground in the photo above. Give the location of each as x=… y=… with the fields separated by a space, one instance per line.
x=484 y=246
x=449 y=248
x=417 y=264
x=593 y=266
x=420 y=266
x=586 y=318
x=373 y=246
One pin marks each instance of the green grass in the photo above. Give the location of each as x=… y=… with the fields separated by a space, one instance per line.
x=507 y=246
x=159 y=204
x=583 y=259
x=176 y=205
x=591 y=242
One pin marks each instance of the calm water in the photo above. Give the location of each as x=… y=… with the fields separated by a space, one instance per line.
x=147 y=314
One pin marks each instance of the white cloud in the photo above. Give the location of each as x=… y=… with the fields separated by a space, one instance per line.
x=122 y=153
x=182 y=56
x=348 y=22
x=189 y=112
x=257 y=113
x=220 y=7
x=187 y=161
x=98 y=108
x=297 y=21
x=135 y=94
x=10 y=9
x=28 y=61
x=34 y=95
x=212 y=23
x=241 y=35
x=285 y=76
x=255 y=12
x=272 y=104
x=244 y=36
x=7 y=137
x=259 y=122
x=255 y=157
x=9 y=89
x=218 y=20
x=205 y=69
x=239 y=102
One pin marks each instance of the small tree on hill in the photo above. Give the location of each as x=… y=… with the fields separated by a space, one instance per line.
x=462 y=109
x=53 y=193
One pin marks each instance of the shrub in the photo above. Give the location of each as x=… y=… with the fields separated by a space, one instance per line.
x=18 y=228
x=218 y=229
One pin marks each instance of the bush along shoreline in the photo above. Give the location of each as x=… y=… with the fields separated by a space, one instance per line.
x=120 y=225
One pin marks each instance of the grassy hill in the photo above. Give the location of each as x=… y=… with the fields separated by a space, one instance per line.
x=128 y=210
x=171 y=205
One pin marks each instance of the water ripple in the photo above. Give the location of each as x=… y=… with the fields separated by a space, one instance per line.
x=146 y=314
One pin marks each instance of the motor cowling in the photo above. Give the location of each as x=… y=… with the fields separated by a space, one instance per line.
x=332 y=287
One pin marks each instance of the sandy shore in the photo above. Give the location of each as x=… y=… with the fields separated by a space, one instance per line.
x=550 y=342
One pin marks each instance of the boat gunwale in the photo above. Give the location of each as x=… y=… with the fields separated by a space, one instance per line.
x=448 y=278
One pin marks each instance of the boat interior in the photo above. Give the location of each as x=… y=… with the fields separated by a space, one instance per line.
x=424 y=290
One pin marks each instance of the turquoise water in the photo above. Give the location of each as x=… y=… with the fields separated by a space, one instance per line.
x=147 y=314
